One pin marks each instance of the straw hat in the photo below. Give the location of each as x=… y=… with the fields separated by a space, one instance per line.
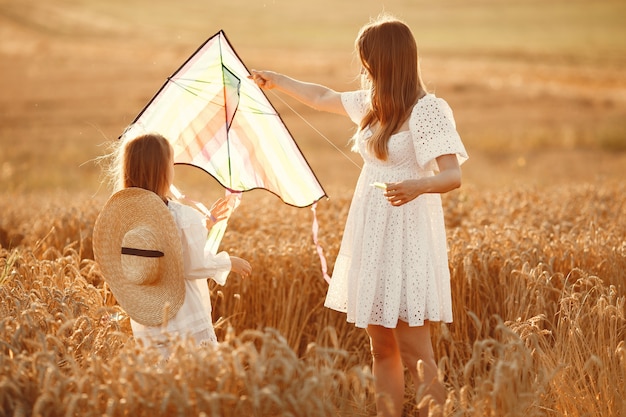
x=136 y=243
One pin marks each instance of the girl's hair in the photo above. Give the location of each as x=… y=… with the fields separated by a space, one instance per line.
x=388 y=53
x=143 y=162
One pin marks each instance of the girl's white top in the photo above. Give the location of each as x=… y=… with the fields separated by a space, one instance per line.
x=194 y=317
x=393 y=261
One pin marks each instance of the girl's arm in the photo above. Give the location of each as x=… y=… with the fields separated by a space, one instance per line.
x=447 y=179
x=200 y=263
x=220 y=210
x=240 y=266
x=316 y=96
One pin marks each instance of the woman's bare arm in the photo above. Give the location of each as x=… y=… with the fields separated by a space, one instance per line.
x=313 y=95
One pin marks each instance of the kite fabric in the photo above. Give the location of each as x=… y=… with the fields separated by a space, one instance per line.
x=220 y=121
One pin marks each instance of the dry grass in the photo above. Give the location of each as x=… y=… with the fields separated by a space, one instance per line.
x=537 y=88
x=538 y=286
x=538 y=274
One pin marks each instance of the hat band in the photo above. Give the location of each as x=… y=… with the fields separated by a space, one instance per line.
x=142 y=252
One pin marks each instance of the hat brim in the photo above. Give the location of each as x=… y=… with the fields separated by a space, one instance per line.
x=153 y=303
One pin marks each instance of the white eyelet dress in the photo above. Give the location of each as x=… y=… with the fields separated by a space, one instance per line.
x=393 y=261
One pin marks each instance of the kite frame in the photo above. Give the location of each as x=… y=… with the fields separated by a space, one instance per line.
x=223 y=36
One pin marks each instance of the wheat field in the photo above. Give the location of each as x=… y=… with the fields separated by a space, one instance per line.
x=536 y=234
x=538 y=280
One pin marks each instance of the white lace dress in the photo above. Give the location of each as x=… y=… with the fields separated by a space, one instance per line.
x=393 y=261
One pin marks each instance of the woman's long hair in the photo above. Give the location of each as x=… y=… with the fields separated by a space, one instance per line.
x=388 y=53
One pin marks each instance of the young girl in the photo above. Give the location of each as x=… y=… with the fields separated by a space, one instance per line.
x=391 y=274
x=147 y=162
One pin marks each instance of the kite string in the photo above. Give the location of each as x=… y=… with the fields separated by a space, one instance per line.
x=315 y=129
x=315 y=226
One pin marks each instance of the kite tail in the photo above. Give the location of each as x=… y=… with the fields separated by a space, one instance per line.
x=318 y=247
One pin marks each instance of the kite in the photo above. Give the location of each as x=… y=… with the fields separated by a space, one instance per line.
x=219 y=120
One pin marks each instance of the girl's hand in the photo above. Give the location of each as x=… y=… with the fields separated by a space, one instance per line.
x=399 y=193
x=240 y=266
x=220 y=210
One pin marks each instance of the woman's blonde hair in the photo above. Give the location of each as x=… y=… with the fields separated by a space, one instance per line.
x=388 y=53
x=142 y=162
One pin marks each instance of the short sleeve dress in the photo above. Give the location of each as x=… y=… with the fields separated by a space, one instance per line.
x=393 y=261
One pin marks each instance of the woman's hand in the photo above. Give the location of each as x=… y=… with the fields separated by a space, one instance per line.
x=399 y=193
x=264 y=79
x=240 y=266
x=313 y=95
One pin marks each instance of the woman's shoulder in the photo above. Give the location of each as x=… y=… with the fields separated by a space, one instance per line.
x=357 y=98
x=356 y=103
x=431 y=99
x=431 y=104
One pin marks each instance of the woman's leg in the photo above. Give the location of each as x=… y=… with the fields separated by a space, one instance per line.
x=388 y=371
x=415 y=344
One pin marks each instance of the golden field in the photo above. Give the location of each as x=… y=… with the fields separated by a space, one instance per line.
x=536 y=234
x=539 y=317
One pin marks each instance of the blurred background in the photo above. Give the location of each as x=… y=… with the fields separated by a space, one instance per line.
x=537 y=86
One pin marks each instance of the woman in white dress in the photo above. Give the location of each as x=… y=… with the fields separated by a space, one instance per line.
x=391 y=275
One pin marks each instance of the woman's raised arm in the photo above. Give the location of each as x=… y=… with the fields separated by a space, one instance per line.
x=313 y=95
